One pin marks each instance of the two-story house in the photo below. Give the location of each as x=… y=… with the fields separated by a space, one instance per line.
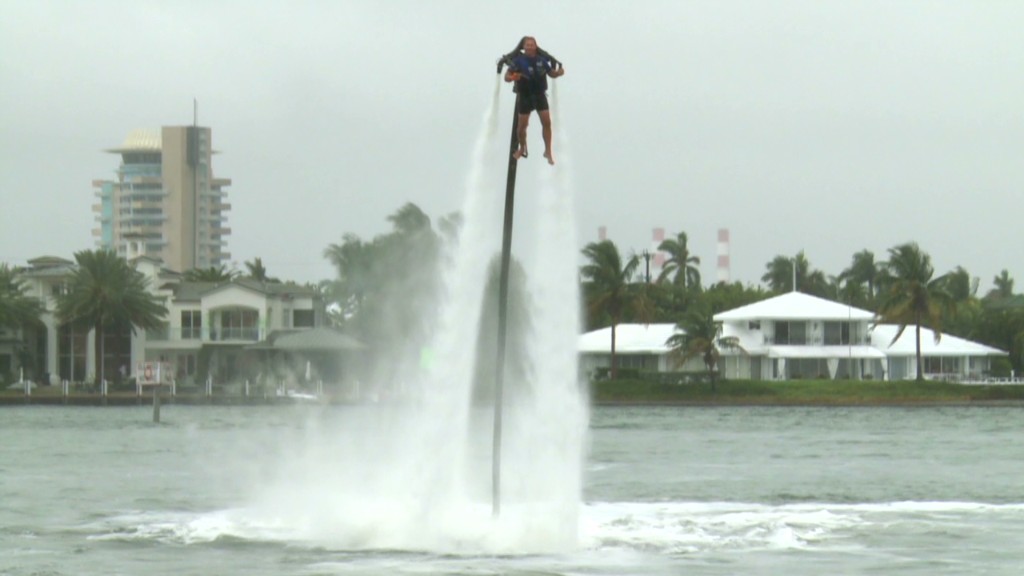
x=212 y=327
x=209 y=329
x=795 y=336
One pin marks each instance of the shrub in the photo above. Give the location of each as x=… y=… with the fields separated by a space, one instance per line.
x=1001 y=367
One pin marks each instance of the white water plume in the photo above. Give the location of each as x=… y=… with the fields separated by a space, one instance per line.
x=415 y=474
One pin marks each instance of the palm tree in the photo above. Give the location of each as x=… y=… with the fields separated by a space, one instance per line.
x=212 y=274
x=700 y=336
x=863 y=270
x=353 y=259
x=779 y=276
x=959 y=285
x=16 y=309
x=852 y=292
x=914 y=296
x=409 y=219
x=104 y=292
x=257 y=271
x=680 y=265
x=607 y=288
x=1003 y=286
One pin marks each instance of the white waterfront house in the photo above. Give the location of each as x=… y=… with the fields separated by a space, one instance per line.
x=639 y=346
x=223 y=326
x=951 y=358
x=795 y=336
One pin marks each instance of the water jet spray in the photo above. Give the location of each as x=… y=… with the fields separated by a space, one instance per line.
x=506 y=257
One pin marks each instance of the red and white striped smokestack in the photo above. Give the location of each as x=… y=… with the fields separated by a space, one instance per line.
x=602 y=233
x=722 y=270
x=658 y=262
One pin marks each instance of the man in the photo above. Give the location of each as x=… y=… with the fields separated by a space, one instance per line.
x=530 y=71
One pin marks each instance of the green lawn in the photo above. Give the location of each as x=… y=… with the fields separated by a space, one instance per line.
x=823 y=392
x=629 y=391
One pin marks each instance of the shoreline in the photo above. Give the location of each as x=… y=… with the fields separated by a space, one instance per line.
x=199 y=400
x=747 y=403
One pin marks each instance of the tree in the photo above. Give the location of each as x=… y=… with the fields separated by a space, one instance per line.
x=410 y=219
x=105 y=292
x=607 y=289
x=353 y=261
x=386 y=289
x=257 y=271
x=726 y=296
x=16 y=308
x=700 y=336
x=1003 y=286
x=914 y=297
x=852 y=292
x=959 y=285
x=779 y=276
x=212 y=274
x=680 y=265
x=1002 y=326
x=862 y=271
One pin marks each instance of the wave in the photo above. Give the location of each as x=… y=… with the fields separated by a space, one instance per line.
x=691 y=527
x=671 y=528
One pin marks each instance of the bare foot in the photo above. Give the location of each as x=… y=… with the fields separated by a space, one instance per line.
x=551 y=159
x=519 y=153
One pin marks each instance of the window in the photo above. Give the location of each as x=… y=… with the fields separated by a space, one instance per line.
x=191 y=324
x=187 y=365
x=791 y=333
x=239 y=325
x=302 y=318
x=837 y=333
x=638 y=362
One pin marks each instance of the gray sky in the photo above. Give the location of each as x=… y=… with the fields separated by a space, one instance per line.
x=829 y=127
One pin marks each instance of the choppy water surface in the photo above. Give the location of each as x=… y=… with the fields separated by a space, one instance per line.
x=668 y=491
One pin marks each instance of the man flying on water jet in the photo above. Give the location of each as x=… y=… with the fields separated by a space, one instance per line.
x=530 y=70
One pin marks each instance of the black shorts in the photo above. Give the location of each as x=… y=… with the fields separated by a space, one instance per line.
x=530 y=102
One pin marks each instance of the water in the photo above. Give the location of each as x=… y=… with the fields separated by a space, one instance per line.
x=404 y=486
x=415 y=472
x=666 y=491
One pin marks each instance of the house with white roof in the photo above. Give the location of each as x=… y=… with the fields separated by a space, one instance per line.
x=225 y=326
x=637 y=346
x=795 y=336
x=951 y=358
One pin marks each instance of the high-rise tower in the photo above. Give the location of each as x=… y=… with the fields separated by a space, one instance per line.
x=165 y=202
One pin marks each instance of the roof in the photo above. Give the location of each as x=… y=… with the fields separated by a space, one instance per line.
x=629 y=338
x=47 y=261
x=191 y=291
x=48 y=267
x=194 y=291
x=143 y=140
x=795 y=306
x=948 y=345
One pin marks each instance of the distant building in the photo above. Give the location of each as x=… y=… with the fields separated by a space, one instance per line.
x=166 y=202
x=796 y=336
x=227 y=330
x=637 y=346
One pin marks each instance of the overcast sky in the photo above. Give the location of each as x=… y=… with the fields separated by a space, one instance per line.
x=828 y=127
